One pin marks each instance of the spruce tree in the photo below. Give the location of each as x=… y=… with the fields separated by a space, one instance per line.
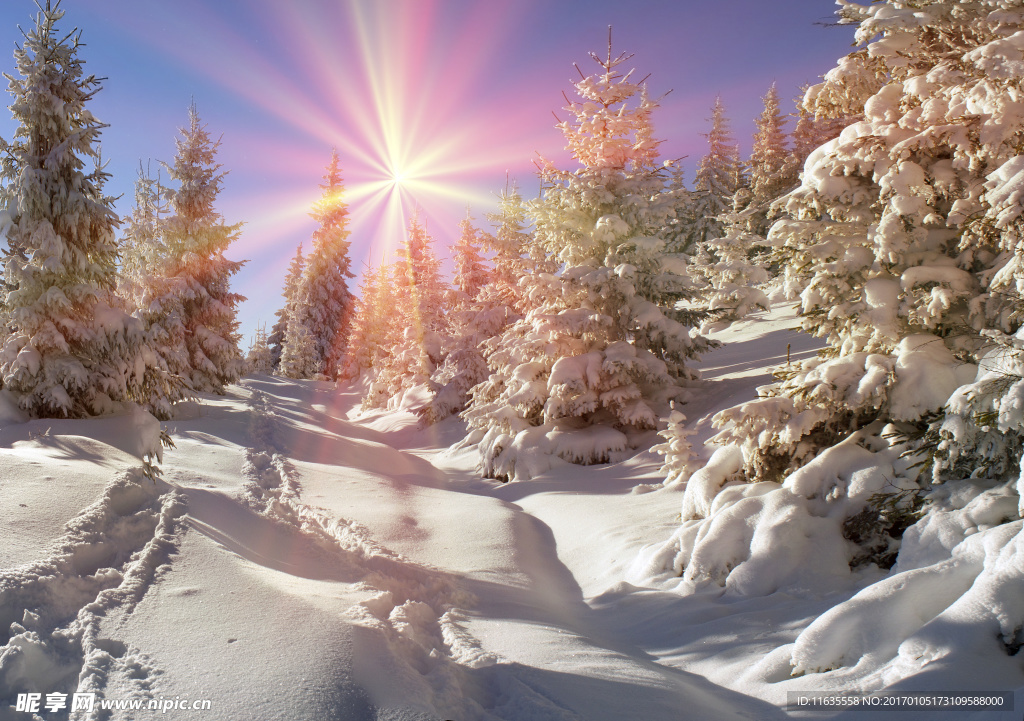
x=603 y=344
x=368 y=331
x=196 y=237
x=907 y=226
x=258 y=358
x=292 y=281
x=468 y=323
x=142 y=250
x=323 y=295
x=719 y=176
x=772 y=169
x=414 y=343
x=70 y=350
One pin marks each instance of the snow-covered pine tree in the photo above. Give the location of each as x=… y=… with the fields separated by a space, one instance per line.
x=299 y=352
x=154 y=296
x=258 y=358
x=323 y=295
x=142 y=250
x=737 y=278
x=603 y=346
x=811 y=132
x=284 y=314
x=70 y=349
x=907 y=224
x=417 y=321
x=514 y=255
x=773 y=170
x=369 y=330
x=196 y=238
x=468 y=323
x=719 y=176
x=471 y=272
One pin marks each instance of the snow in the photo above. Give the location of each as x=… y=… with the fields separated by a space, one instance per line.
x=300 y=558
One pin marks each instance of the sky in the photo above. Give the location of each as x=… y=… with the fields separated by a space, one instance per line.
x=431 y=104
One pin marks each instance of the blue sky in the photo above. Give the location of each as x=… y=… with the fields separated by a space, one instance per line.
x=459 y=93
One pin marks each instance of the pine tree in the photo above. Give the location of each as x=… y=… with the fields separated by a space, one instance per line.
x=772 y=170
x=258 y=358
x=602 y=344
x=736 y=278
x=468 y=323
x=196 y=238
x=719 y=176
x=368 y=332
x=154 y=297
x=286 y=312
x=324 y=296
x=142 y=250
x=299 y=352
x=415 y=338
x=70 y=349
x=471 y=272
x=907 y=225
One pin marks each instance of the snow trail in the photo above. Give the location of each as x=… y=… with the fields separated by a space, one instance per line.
x=50 y=610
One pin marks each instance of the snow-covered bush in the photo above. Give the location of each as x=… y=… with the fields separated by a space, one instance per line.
x=602 y=346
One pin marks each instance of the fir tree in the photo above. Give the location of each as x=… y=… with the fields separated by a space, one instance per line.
x=196 y=238
x=154 y=296
x=323 y=295
x=471 y=272
x=299 y=352
x=603 y=344
x=70 y=349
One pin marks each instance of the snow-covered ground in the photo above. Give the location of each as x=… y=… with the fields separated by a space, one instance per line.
x=298 y=560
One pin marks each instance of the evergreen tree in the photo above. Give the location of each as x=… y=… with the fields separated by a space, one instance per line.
x=772 y=170
x=365 y=345
x=258 y=358
x=908 y=226
x=603 y=344
x=299 y=352
x=154 y=296
x=736 y=278
x=471 y=272
x=142 y=251
x=323 y=294
x=276 y=339
x=196 y=238
x=468 y=323
x=719 y=176
x=415 y=339
x=70 y=349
